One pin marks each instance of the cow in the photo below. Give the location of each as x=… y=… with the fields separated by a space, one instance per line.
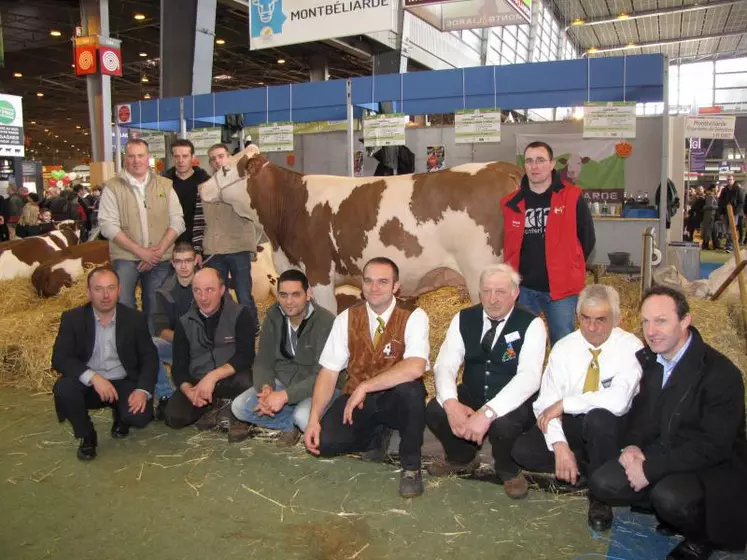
x=264 y=275
x=67 y=266
x=329 y=226
x=20 y=257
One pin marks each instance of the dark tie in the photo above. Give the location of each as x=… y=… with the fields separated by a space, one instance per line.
x=487 y=340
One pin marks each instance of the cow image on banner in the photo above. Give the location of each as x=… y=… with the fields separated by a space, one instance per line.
x=267 y=17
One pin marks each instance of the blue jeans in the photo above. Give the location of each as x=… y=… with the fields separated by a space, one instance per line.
x=164 y=388
x=560 y=314
x=150 y=281
x=239 y=265
x=284 y=420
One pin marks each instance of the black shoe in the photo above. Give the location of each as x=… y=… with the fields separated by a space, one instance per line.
x=119 y=429
x=160 y=411
x=378 y=452
x=411 y=484
x=600 y=515
x=666 y=529
x=690 y=550
x=87 y=447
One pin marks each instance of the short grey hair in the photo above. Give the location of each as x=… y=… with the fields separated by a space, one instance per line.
x=502 y=268
x=594 y=294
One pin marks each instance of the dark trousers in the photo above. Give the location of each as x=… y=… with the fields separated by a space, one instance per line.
x=180 y=412
x=677 y=499
x=400 y=408
x=73 y=400
x=502 y=434
x=593 y=437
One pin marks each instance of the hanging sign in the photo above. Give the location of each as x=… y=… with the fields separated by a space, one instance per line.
x=477 y=126
x=85 y=56
x=698 y=154
x=203 y=138
x=156 y=142
x=384 y=130
x=110 y=56
x=11 y=126
x=609 y=119
x=276 y=137
x=720 y=127
x=472 y=14
x=124 y=113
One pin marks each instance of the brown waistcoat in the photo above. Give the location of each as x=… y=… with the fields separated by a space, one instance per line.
x=366 y=361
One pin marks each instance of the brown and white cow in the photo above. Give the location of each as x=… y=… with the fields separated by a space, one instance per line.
x=329 y=226
x=68 y=266
x=20 y=257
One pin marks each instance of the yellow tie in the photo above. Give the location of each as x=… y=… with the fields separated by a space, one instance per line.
x=378 y=332
x=591 y=383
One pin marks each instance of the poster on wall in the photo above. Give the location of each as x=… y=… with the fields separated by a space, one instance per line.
x=156 y=142
x=276 y=137
x=435 y=158
x=720 y=127
x=609 y=119
x=592 y=164
x=698 y=153
x=477 y=126
x=384 y=130
x=203 y=138
x=273 y=23
x=358 y=164
x=11 y=126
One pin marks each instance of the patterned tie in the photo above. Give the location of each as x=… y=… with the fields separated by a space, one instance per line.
x=591 y=383
x=378 y=332
x=487 y=340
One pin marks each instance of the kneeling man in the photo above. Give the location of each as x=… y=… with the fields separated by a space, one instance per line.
x=291 y=341
x=213 y=356
x=385 y=350
x=106 y=357
x=502 y=347
x=590 y=380
x=686 y=454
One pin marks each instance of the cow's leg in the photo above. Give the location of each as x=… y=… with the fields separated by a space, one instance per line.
x=324 y=295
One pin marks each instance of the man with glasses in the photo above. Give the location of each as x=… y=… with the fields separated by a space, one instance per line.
x=548 y=233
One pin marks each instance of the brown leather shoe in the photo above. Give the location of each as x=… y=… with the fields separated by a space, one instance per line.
x=289 y=439
x=444 y=467
x=517 y=487
x=211 y=418
x=238 y=431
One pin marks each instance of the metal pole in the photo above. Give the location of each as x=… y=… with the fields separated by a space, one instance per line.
x=351 y=146
x=182 y=120
x=663 y=191
x=117 y=148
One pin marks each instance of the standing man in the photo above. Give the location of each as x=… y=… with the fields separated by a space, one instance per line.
x=213 y=356
x=708 y=230
x=230 y=240
x=186 y=180
x=686 y=453
x=735 y=197
x=13 y=209
x=291 y=341
x=106 y=358
x=385 y=349
x=502 y=347
x=548 y=234
x=173 y=300
x=588 y=385
x=141 y=217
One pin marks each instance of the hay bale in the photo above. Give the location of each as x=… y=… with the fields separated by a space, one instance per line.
x=17 y=295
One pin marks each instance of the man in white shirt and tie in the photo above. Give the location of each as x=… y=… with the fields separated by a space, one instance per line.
x=591 y=378
x=502 y=347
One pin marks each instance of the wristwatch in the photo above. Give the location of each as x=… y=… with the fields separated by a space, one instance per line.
x=488 y=412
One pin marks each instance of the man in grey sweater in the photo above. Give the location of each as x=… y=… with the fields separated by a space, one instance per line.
x=292 y=338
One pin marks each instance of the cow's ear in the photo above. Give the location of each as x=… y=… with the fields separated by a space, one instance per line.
x=242 y=165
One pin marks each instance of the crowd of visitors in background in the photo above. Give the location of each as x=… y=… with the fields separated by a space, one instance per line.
x=707 y=213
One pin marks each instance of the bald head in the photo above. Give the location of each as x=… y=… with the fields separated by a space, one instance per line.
x=208 y=289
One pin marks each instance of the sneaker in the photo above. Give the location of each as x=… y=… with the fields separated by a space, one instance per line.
x=289 y=439
x=87 y=447
x=517 y=487
x=444 y=467
x=411 y=484
x=160 y=412
x=378 y=452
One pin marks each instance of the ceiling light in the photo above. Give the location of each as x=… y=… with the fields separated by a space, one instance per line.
x=72 y=66
x=222 y=77
x=145 y=79
x=146 y=96
x=17 y=75
x=77 y=126
x=56 y=135
x=592 y=50
x=281 y=61
x=220 y=41
x=85 y=134
x=33 y=122
x=261 y=83
x=46 y=130
x=630 y=46
x=55 y=33
x=39 y=94
x=623 y=15
x=143 y=54
x=577 y=21
x=139 y=17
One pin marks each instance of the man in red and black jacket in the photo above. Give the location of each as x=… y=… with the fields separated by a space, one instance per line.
x=548 y=234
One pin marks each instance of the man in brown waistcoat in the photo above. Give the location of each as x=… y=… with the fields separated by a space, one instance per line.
x=385 y=349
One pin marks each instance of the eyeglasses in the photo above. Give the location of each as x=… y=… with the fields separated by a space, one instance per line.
x=179 y=262
x=538 y=161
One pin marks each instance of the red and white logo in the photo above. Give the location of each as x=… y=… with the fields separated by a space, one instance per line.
x=85 y=60
x=111 y=63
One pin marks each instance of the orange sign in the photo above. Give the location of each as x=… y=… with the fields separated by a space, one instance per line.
x=709 y=110
x=85 y=60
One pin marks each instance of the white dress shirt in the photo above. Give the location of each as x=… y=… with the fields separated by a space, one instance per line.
x=336 y=353
x=619 y=376
x=109 y=219
x=528 y=370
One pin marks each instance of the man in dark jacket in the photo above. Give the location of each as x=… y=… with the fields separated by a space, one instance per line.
x=186 y=180
x=686 y=454
x=548 y=233
x=213 y=357
x=106 y=358
x=13 y=209
x=292 y=339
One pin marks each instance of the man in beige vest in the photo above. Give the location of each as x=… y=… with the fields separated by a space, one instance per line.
x=230 y=240
x=141 y=217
